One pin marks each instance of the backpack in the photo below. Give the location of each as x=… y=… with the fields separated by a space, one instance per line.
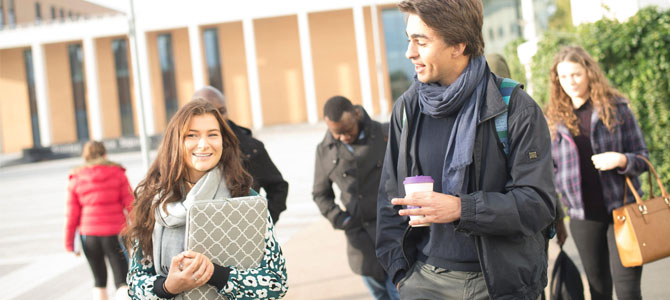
x=506 y=87
x=566 y=282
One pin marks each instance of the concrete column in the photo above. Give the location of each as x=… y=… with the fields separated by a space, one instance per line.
x=307 y=67
x=137 y=45
x=252 y=72
x=383 y=101
x=362 y=53
x=92 y=90
x=42 y=94
x=143 y=89
x=525 y=52
x=528 y=13
x=194 y=38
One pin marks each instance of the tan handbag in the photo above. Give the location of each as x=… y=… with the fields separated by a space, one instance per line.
x=642 y=229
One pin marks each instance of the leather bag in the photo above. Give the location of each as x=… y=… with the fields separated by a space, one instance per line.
x=231 y=232
x=642 y=229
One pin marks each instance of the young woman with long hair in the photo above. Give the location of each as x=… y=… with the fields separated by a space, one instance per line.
x=198 y=145
x=99 y=197
x=595 y=143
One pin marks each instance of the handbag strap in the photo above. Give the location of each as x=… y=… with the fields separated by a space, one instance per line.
x=629 y=184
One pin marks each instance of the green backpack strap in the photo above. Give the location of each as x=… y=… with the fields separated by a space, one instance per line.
x=506 y=88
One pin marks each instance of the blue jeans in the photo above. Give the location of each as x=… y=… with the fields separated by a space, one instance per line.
x=381 y=290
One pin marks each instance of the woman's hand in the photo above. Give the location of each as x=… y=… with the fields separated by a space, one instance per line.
x=188 y=270
x=609 y=160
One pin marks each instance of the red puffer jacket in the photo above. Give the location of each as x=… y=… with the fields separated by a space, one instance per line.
x=99 y=197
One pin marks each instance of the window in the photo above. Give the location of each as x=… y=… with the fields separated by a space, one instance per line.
x=38 y=13
x=78 y=91
x=166 y=60
x=53 y=13
x=211 y=41
x=32 y=99
x=501 y=31
x=62 y=15
x=120 y=50
x=11 y=16
x=69 y=15
x=400 y=69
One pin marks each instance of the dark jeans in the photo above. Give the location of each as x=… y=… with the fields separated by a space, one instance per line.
x=96 y=248
x=598 y=251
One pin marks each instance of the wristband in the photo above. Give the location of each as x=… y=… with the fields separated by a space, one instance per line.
x=166 y=290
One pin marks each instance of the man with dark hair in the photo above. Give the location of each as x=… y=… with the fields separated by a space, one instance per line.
x=351 y=156
x=256 y=159
x=492 y=199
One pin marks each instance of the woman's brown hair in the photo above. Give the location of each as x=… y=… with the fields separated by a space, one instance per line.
x=166 y=179
x=560 y=110
x=93 y=150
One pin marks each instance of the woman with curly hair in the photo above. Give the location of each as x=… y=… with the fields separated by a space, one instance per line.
x=595 y=143
x=198 y=149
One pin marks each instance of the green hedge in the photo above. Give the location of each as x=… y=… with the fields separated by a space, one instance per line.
x=635 y=56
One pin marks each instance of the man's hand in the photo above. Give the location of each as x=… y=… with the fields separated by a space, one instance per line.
x=435 y=207
x=609 y=160
x=561 y=233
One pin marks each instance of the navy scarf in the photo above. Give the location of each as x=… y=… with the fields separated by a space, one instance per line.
x=463 y=97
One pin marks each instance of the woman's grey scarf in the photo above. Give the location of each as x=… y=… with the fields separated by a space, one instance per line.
x=464 y=97
x=170 y=228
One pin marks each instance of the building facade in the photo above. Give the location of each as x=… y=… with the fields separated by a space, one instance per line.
x=69 y=80
x=68 y=71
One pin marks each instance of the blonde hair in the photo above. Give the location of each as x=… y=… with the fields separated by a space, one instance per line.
x=93 y=150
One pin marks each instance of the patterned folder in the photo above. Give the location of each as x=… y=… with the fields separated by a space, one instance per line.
x=231 y=232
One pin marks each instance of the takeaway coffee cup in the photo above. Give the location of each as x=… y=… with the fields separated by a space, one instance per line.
x=417 y=184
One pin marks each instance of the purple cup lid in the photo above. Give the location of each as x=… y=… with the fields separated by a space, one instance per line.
x=418 y=179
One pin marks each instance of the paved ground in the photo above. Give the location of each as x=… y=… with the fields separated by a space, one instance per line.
x=33 y=264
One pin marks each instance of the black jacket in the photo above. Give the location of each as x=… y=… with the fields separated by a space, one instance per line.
x=511 y=202
x=266 y=175
x=357 y=176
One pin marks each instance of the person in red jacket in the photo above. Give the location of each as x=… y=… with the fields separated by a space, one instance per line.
x=99 y=198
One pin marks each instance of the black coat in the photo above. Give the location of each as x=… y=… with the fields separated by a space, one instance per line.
x=266 y=175
x=511 y=199
x=357 y=176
